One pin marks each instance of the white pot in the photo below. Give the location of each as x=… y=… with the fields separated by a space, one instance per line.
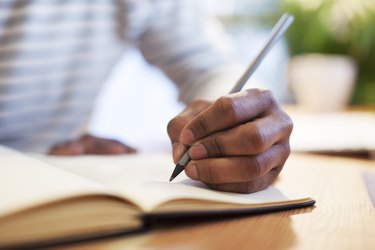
x=321 y=82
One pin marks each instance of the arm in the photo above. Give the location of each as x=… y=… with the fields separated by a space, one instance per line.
x=191 y=48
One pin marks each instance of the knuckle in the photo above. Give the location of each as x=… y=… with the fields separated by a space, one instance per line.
x=258 y=166
x=258 y=139
x=285 y=121
x=276 y=171
x=226 y=106
x=265 y=98
x=270 y=98
x=288 y=124
x=175 y=126
x=171 y=126
x=285 y=151
x=253 y=139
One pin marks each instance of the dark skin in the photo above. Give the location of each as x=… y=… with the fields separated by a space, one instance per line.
x=239 y=143
x=88 y=144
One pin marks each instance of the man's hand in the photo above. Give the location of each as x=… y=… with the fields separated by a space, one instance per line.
x=239 y=143
x=89 y=144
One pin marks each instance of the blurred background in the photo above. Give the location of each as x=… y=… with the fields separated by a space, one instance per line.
x=324 y=63
x=340 y=27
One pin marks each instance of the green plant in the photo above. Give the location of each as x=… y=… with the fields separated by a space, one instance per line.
x=337 y=27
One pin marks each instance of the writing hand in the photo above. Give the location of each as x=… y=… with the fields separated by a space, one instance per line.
x=89 y=144
x=238 y=143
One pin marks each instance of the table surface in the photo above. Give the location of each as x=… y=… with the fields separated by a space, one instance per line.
x=343 y=217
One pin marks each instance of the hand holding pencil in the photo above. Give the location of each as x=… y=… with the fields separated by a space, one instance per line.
x=238 y=143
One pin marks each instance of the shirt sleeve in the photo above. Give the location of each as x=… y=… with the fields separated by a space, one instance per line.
x=190 y=46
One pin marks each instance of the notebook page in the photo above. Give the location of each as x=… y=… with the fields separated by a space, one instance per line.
x=145 y=179
x=26 y=182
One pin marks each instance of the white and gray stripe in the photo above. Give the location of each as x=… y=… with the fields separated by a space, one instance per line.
x=54 y=55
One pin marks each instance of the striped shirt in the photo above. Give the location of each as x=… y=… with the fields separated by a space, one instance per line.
x=55 y=55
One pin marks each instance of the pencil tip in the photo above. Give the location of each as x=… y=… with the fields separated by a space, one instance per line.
x=177 y=170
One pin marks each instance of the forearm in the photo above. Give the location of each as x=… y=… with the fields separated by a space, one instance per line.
x=193 y=51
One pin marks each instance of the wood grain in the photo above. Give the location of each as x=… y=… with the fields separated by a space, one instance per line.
x=343 y=217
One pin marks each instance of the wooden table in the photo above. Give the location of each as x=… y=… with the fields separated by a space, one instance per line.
x=343 y=218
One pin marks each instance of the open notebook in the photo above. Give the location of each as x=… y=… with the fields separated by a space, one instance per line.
x=59 y=199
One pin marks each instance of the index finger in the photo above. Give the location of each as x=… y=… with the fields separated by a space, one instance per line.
x=227 y=112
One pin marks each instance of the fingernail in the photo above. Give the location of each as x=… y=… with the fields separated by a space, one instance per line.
x=187 y=137
x=191 y=171
x=129 y=150
x=177 y=151
x=116 y=149
x=198 y=151
x=132 y=150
